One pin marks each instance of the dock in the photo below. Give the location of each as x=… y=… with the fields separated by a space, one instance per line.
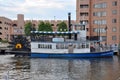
x=17 y=53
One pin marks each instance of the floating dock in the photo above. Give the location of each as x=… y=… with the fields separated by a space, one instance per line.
x=21 y=53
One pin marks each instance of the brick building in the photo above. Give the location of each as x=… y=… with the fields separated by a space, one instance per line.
x=16 y=27
x=5 y=28
x=102 y=18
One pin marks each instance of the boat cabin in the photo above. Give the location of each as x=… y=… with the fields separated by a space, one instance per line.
x=59 y=41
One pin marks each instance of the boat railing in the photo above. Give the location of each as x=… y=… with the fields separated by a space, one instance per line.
x=74 y=45
x=46 y=39
x=50 y=39
x=103 y=48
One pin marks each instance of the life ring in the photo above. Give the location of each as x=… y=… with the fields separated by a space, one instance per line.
x=18 y=46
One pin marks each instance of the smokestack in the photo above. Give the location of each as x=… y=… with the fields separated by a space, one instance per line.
x=69 y=24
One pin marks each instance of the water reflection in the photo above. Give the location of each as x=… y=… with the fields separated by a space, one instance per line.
x=59 y=69
x=14 y=68
x=76 y=69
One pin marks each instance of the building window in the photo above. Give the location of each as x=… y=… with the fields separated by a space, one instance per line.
x=103 y=38
x=0 y=27
x=114 y=3
x=100 y=22
x=84 y=14
x=52 y=24
x=84 y=6
x=102 y=30
x=114 y=20
x=114 y=11
x=100 y=5
x=14 y=25
x=103 y=13
x=103 y=22
x=0 y=22
x=84 y=21
x=114 y=29
x=114 y=38
x=0 y=33
x=95 y=30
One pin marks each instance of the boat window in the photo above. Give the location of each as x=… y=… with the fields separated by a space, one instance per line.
x=41 y=46
x=74 y=45
x=38 y=45
x=57 y=46
x=87 y=45
x=83 y=45
x=50 y=46
x=44 y=46
x=61 y=46
x=79 y=46
x=66 y=46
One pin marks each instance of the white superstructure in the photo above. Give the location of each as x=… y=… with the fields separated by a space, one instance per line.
x=61 y=44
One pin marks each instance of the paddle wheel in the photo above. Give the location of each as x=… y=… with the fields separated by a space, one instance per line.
x=20 y=43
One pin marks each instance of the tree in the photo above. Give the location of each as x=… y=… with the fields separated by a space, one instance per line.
x=48 y=27
x=41 y=26
x=44 y=26
x=62 y=27
x=28 y=28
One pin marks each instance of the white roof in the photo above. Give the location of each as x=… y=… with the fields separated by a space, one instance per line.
x=55 y=32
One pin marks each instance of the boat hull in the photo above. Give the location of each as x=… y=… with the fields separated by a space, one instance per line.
x=72 y=55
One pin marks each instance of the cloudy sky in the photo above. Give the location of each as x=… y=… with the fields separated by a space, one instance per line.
x=38 y=9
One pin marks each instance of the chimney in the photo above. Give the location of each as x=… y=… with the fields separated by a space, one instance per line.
x=69 y=24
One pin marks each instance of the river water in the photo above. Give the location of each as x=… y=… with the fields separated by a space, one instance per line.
x=12 y=68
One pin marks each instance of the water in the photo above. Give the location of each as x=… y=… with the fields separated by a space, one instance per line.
x=12 y=68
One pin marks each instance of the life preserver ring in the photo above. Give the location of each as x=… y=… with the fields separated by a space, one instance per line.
x=18 y=46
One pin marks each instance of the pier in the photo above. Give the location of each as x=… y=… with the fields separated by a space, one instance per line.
x=4 y=49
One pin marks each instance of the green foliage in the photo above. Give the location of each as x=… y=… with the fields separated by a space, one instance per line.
x=44 y=26
x=41 y=26
x=62 y=27
x=28 y=28
x=48 y=27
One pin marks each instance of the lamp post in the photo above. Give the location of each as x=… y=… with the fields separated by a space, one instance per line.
x=98 y=34
x=106 y=34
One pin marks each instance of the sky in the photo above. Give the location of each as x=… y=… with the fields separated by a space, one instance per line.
x=38 y=9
